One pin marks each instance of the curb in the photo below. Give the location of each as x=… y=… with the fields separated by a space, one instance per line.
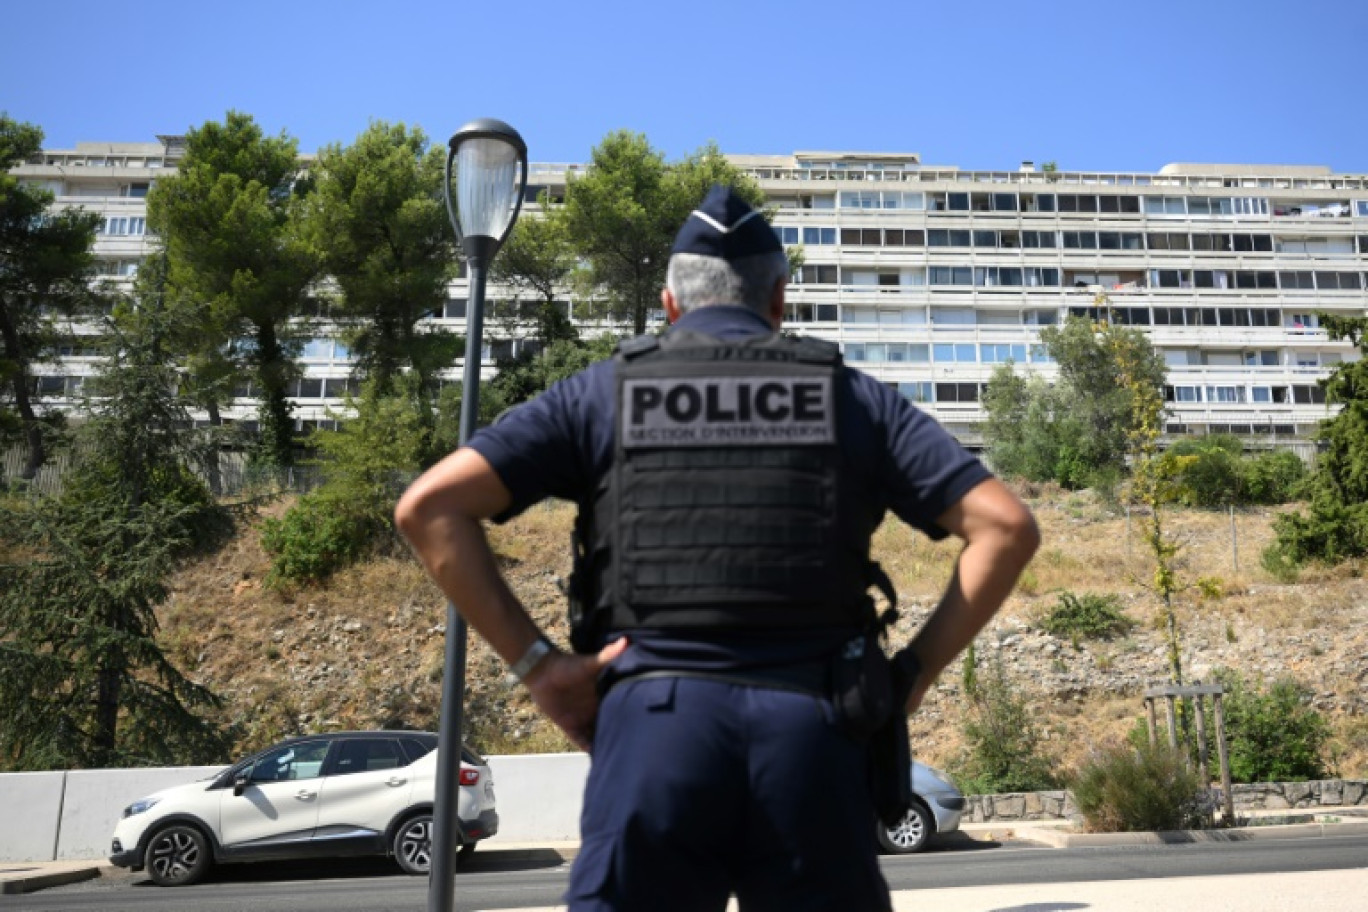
x=1060 y=840
x=39 y=876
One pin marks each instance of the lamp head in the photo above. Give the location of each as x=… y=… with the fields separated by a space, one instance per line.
x=490 y=175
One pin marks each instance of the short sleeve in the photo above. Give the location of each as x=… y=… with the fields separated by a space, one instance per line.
x=551 y=446
x=925 y=470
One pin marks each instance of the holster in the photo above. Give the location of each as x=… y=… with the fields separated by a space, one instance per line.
x=869 y=694
x=890 y=758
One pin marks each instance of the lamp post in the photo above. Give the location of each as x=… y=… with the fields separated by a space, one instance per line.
x=490 y=174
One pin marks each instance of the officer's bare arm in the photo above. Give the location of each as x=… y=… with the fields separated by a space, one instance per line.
x=1000 y=536
x=440 y=516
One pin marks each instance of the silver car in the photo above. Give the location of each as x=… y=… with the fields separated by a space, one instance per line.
x=936 y=808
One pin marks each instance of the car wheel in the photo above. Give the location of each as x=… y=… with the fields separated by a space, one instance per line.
x=467 y=849
x=909 y=834
x=177 y=856
x=412 y=845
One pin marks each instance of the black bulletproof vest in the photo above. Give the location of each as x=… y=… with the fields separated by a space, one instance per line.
x=727 y=506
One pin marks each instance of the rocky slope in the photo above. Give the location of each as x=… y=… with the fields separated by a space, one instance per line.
x=366 y=649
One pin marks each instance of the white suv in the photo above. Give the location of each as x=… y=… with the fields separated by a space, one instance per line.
x=346 y=793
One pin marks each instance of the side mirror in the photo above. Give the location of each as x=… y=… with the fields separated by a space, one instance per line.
x=239 y=785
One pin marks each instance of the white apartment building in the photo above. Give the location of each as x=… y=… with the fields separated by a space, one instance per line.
x=929 y=277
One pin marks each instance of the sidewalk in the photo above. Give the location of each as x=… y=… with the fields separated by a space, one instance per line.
x=1327 y=891
x=28 y=876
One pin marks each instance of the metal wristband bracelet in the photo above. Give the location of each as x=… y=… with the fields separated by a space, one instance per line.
x=539 y=649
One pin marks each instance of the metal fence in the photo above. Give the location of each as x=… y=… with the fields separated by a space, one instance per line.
x=234 y=476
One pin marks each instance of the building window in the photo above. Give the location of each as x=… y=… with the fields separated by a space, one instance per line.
x=818 y=275
x=818 y=236
x=1226 y=394
x=954 y=353
x=340 y=388
x=937 y=237
x=956 y=392
x=317 y=350
x=918 y=391
x=1000 y=352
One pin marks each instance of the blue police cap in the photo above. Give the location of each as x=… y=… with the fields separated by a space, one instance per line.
x=725 y=226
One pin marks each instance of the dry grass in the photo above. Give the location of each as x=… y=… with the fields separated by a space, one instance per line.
x=367 y=648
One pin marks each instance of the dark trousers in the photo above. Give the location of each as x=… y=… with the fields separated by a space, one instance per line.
x=700 y=788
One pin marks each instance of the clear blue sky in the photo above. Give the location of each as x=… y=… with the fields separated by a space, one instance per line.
x=1100 y=85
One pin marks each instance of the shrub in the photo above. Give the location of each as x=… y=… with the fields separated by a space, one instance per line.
x=1213 y=471
x=1130 y=788
x=366 y=463
x=317 y=537
x=1273 y=477
x=1331 y=530
x=1003 y=743
x=1089 y=616
x=1207 y=470
x=1274 y=735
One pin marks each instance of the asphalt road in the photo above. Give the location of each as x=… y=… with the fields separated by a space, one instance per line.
x=492 y=883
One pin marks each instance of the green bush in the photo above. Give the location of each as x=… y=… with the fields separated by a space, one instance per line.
x=1089 y=616
x=315 y=538
x=1207 y=470
x=1213 y=471
x=1273 y=477
x=365 y=465
x=1127 y=788
x=1330 y=530
x=1003 y=752
x=1273 y=734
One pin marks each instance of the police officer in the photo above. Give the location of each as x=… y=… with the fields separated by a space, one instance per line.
x=729 y=480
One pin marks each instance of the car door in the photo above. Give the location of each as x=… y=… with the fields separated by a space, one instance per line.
x=368 y=783
x=280 y=802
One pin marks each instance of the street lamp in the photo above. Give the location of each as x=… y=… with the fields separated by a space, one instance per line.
x=490 y=175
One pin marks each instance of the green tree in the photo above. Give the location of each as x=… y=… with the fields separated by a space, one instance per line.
x=623 y=214
x=45 y=270
x=1076 y=432
x=377 y=220
x=1139 y=377
x=84 y=681
x=520 y=379
x=1031 y=432
x=538 y=260
x=229 y=220
x=1334 y=526
x=367 y=462
x=1090 y=359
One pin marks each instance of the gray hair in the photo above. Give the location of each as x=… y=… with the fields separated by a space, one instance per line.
x=700 y=281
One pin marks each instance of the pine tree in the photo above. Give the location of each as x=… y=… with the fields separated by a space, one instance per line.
x=45 y=266
x=84 y=681
x=1334 y=527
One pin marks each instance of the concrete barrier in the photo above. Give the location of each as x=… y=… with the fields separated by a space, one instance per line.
x=95 y=800
x=539 y=797
x=61 y=816
x=33 y=807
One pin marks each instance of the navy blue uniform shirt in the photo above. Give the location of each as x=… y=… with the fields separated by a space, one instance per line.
x=561 y=444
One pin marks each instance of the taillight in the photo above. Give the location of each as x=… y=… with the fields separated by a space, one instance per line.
x=469 y=776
